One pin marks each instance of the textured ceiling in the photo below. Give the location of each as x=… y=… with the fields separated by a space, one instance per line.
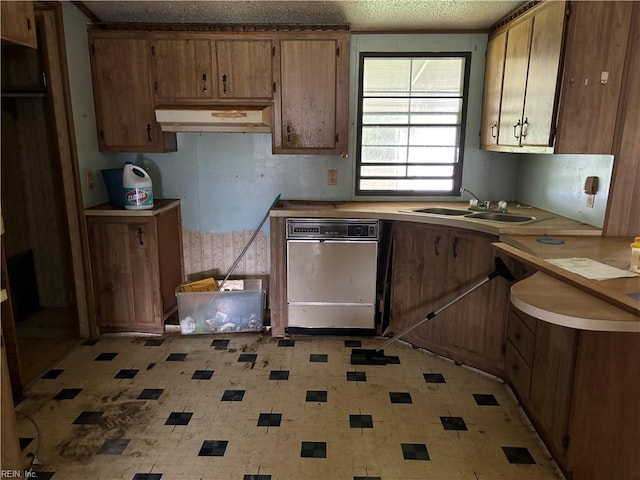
x=359 y=14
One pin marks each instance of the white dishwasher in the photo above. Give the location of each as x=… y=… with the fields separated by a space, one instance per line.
x=331 y=275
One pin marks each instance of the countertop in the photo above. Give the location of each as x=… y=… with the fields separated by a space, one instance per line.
x=565 y=298
x=553 y=294
x=545 y=222
x=160 y=205
x=555 y=301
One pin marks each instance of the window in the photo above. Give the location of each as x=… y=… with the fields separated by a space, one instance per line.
x=412 y=112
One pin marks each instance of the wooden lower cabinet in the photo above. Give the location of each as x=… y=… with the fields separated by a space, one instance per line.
x=519 y=352
x=551 y=383
x=136 y=263
x=579 y=388
x=432 y=266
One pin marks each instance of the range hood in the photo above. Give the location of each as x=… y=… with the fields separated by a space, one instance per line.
x=220 y=118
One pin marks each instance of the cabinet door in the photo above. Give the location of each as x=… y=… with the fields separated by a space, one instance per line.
x=542 y=77
x=597 y=39
x=18 y=23
x=125 y=114
x=417 y=286
x=244 y=69
x=312 y=108
x=551 y=383
x=494 y=69
x=625 y=184
x=170 y=255
x=477 y=322
x=518 y=372
x=515 y=82
x=182 y=70
x=125 y=280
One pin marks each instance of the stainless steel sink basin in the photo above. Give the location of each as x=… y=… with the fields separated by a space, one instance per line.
x=501 y=217
x=441 y=211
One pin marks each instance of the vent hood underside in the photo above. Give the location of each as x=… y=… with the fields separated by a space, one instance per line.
x=215 y=119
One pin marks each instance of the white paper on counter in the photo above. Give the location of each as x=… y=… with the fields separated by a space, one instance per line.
x=590 y=268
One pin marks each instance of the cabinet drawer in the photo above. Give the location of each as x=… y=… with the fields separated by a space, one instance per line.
x=522 y=337
x=518 y=372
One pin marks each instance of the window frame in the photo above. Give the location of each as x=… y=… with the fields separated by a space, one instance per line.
x=457 y=176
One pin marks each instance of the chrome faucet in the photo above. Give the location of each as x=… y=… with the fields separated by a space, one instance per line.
x=480 y=202
x=484 y=205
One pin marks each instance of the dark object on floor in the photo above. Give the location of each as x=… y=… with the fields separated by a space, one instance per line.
x=364 y=356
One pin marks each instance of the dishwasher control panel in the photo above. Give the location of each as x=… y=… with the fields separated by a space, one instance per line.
x=331 y=229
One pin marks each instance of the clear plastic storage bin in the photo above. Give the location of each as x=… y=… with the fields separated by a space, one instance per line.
x=222 y=312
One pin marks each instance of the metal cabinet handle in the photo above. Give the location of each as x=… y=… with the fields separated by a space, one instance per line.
x=149 y=132
x=288 y=130
x=436 y=244
x=455 y=247
x=525 y=128
x=224 y=84
x=494 y=130
x=204 y=83
x=515 y=130
x=140 y=233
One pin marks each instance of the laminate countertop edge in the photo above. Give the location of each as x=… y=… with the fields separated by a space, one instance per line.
x=552 y=300
x=105 y=210
x=545 y=223
x=559 y=296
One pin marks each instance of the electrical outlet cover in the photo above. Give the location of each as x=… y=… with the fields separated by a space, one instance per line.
x=332 y=177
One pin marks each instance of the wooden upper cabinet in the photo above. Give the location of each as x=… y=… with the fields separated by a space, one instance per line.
x=311 y=104
x=305 y=75
x=492 y=94
x=531 y=78
x=621 y=220
x=205 y=70
x=244 y=69
x=528 y=73
x=543 y=75
x=515 y=82
x=182 y=70
x=125 y=115
x=574 y=67
x=597 y=40
x=18 y=23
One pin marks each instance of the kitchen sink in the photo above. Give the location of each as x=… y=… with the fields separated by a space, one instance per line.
x=501 y=217
x=441 y=211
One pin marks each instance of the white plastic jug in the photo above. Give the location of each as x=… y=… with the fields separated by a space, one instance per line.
x=137 y=186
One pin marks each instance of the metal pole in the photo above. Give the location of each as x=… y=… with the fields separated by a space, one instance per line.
x=432 y=314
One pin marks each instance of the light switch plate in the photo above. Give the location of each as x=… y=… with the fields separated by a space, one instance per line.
x=332 y=177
